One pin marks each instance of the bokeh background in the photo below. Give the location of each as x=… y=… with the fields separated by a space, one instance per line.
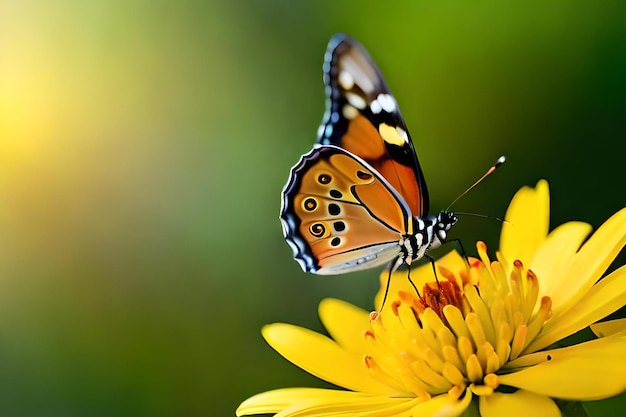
x=144 y=145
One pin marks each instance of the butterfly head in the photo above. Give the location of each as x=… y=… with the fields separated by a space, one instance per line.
x=445 y=221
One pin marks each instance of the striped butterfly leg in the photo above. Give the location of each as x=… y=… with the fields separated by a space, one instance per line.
x=393 y=266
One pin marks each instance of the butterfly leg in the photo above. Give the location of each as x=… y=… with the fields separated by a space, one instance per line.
x=432 y=263
x=391 y=268
x=408 y=275
x=462 y=249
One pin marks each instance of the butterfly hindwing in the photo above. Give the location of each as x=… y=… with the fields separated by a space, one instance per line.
x=339 y=214
x=362 y=116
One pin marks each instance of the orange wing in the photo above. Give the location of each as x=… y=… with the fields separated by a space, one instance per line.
x=339 y=215
x=362 y=116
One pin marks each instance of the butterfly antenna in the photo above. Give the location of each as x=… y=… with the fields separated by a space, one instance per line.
x=484 y=216
x=495 y=166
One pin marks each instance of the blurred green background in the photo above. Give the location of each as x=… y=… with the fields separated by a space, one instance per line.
x=144 y=145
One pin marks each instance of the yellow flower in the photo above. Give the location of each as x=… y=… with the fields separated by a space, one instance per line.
x=484 y=334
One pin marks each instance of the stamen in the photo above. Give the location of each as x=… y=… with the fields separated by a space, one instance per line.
x=416 y=304
x=465 y=348
x=475 y=328
x=433 y=360
x=518 y=318
x=394 y=307
x=487 y=357
x=446 y=273
x=416 y=386
x=516 y=280
x=431 y=340
x=377 y=322
x=457 y=391
x=478 y=273
x=451 y=355
x=424 y=372
x=501 y=259
x=474 y=370
x=381 y=376
x=481 y=310
x=446 y=338
x=465 y=278
x=481 y=247
x=475 y=263
x=493 y=362
x=481 y=390
x=503 y=347
x=511 y=304
x=536 y=323
x=456 y=321
x=483 y=352
x=532 y=292
x=491 y=380
x=498 y=315
x=453 y=374
x=500 y=277
x=432 y=321
x=519 y=340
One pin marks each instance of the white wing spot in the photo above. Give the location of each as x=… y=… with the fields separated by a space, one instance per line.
x=375 y=107
x=334 y=118
x=350 y=112
x=346 y=80
x=356 y=100
x=387 y=102
x=402 y=133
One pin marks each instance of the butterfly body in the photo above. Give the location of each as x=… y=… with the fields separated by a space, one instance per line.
x=358 y=199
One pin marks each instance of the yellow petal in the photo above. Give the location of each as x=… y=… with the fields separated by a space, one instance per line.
x=518 y=404
x=608 y=328
x=527 y=222
x=301 y=402
x=588 y=371
x=380 y=406
x=271 y=402
x=452 y=261
x=588 y=265
x=322 y=357
x=443 y=405
x=604 y=298
x=555 y=253
x=346 y=324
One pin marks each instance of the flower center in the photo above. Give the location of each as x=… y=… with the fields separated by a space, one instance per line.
x=449 y=339
x=436 y=296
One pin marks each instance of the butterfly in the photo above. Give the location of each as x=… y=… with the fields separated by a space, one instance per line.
x=358 y=199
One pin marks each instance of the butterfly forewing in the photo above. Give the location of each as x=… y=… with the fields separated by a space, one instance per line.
x=362 y=117
x=339 y=214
